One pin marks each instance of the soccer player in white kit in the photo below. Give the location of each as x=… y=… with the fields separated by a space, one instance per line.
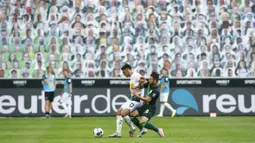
x=131 y=104
x=65 y=100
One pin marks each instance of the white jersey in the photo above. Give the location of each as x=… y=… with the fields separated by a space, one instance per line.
x=134 y=102
x=134 y=82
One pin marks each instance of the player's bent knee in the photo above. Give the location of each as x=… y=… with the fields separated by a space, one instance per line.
x=134 y=113
x=143 y=119
x=119 y=112
x=124 y=112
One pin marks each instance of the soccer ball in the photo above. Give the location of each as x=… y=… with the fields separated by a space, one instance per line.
x=98 y=132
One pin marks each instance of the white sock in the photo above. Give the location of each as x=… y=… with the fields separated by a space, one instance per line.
x=169 y=107
x=129 y=122
x=119 y=124
x=65 y=108
x=162 y=108
x=69 y=110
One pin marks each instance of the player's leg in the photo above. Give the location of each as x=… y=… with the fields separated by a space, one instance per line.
x=167 y=105
x=119 y=123
x=125 y=112
x=130 y=125
x=69 y=106
x=51 y=98
x=133 y=118
x=163 y=100
x=64 y=101
x=146 y=116
x=164 y=103
x=47 y=104
x=50 y=107
x=133 y=115
x=162 y=108
x=144 y=121
x=137 y=113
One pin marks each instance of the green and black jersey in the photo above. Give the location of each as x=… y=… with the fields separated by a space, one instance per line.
x=148 y=109
x=153 y=93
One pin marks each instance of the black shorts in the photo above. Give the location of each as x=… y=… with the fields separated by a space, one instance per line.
x=49 y=95
x=146 y=111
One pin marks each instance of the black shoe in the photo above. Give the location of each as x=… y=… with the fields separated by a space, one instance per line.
x=47 y=115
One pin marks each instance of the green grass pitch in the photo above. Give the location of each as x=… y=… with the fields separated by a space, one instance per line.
x=79 y=130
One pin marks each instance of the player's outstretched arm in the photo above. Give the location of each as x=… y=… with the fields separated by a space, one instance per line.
x=55 y=83
x=145 y=99
x=71 y=89
x=142 y=82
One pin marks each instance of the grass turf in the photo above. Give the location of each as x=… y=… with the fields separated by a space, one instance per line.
x=79 y=130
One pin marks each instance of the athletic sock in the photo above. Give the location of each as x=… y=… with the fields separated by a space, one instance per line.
x=69 y=110
x=162 y=108
x=119 y=124
x=129 y=122
x=136 y=122
x=149 y=126
x=47 y=113
x=169 y=106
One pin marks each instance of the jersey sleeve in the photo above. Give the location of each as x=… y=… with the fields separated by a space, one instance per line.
x=131 y=84
x=134 y=80
x=166 y=79
x=153 y=94
x=69 y=81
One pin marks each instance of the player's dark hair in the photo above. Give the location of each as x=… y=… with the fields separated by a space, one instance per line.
x=164 y=70
x=52 y=72
x=155 y=76
x=126 y=66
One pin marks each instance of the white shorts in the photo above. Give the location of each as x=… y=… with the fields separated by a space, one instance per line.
x=163 y=97
x=66 y=99
x=131 y=105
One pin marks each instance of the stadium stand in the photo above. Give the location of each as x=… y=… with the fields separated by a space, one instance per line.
x=93 y=38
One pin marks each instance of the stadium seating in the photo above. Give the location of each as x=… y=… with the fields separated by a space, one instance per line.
x=93 y=38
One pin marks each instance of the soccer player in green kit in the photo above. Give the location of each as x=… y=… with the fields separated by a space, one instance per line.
x=147 y=111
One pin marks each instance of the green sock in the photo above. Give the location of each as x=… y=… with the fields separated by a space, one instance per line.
x=136 y=122
x=149 y=126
